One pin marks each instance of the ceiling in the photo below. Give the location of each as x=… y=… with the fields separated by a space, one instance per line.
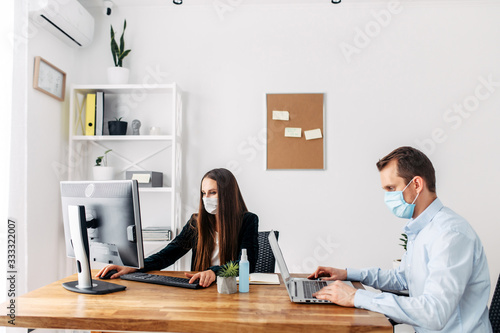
x=97 y=3
x=93 y=3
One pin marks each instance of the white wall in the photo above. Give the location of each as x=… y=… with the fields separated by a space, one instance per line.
x=420 y=61
x=6 y=65
x=47 y=138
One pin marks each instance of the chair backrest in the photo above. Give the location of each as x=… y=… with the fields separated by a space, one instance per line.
x=495 y=308
x=265 y=260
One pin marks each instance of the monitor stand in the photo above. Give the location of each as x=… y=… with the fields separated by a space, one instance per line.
x=80 y=242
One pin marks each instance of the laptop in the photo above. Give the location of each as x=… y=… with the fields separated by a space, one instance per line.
x=300 y=290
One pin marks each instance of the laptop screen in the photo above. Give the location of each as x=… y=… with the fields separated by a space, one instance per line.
x=279 y=256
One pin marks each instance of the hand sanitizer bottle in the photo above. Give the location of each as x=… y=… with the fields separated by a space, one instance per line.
x=244 y=272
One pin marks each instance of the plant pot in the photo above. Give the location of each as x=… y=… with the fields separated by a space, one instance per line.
x=103 y=173
x=118 y=75
x=226 y=285
x=117 y=127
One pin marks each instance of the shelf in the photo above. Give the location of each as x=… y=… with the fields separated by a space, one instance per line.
x=155 y=189
x=122 y=137
x=126 y=88
x=154 y=104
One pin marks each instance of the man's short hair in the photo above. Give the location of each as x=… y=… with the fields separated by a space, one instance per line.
x=411 y=162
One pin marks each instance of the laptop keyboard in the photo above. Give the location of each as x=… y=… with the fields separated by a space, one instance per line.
x=310 y=287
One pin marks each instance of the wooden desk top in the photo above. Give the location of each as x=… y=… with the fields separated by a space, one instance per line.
x=149 y=307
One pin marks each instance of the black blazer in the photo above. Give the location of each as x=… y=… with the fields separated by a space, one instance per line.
x=188 y=239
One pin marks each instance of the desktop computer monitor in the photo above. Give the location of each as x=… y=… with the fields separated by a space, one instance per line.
x=102 y=223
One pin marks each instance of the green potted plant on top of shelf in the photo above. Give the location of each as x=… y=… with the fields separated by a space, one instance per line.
x=226 y=278
x=117 y=127
x=404 y=242
x=101 y=169
x=118 y=74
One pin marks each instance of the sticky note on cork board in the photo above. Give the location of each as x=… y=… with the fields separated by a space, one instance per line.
x=281 y=115
x=293 y=132
x=313 y=134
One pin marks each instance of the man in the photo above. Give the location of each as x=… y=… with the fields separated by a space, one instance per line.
x=444 y=269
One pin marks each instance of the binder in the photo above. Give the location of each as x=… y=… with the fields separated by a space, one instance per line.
x=90 y=115
x=99 y=113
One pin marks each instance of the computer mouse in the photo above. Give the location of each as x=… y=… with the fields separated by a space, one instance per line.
x=108 y=275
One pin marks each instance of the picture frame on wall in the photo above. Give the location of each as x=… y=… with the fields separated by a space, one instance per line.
x=49 y=79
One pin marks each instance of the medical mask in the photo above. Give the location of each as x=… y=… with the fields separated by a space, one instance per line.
x=210 y=205
x=397 y=204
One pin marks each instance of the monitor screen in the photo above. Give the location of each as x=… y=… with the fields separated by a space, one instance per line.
x=113 y=220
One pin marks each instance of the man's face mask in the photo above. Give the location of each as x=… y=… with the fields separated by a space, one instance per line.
x=397 y=204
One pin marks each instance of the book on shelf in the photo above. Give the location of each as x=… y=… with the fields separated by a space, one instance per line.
x=99 y=113
x=90 y=115
x=156 y=234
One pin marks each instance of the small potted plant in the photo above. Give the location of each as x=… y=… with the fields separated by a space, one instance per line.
x=226 y=278
x=117 y=127
x=101 y=169
x=118 y=74
x=404 y=242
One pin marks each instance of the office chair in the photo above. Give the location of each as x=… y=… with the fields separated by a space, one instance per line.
x=265 y=260
x=495 y=308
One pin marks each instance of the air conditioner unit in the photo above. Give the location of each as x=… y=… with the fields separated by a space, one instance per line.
x=66 y=19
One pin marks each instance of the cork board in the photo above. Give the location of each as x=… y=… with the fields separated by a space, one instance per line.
x=305 y=111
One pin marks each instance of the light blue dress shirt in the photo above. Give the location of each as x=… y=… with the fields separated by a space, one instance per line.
x=445 y=271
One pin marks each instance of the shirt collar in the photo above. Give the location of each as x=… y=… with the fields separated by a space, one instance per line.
x=414 y=226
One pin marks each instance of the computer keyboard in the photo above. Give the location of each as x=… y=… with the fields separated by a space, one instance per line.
x=161 y=279
x=310 y=287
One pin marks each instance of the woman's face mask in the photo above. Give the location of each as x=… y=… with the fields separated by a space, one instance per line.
x=210 y=205
x=209 y=195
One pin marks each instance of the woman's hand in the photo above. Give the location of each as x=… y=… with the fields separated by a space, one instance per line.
x=206 y=277
x=120 y=271
x=329 y=273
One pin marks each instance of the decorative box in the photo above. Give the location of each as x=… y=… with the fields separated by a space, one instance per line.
x=146 y=178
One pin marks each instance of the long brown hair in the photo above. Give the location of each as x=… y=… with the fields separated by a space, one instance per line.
x=227 y=220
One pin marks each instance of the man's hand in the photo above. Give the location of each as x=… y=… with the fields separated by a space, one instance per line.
x=329 y=273
x=338 y=293
x=206 y=277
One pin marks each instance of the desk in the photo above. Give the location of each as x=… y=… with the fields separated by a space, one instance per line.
x=149 y=307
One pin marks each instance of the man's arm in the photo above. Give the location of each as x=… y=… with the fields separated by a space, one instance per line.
x=342 y=294
x=394 y=279
x=449 y=269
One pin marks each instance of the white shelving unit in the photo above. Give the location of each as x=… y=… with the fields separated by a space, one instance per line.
x=154 y=106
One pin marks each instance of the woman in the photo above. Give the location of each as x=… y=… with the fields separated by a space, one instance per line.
x=216 y=235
